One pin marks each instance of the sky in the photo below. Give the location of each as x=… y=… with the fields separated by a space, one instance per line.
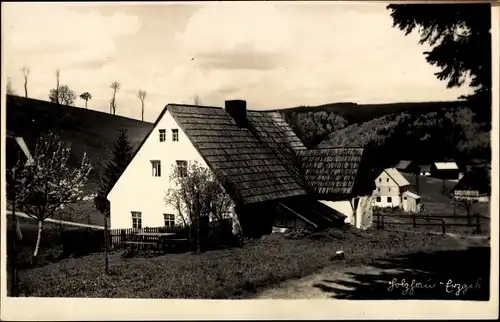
x=271 y=54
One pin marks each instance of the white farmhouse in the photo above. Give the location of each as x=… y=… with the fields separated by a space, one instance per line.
x=137 y=198
x=263 y=166
x=390 y=186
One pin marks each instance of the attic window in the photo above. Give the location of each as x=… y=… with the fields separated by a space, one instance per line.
x=379 y=179
x=163 y=135
x=156 y=167
x=175 y=135
x=387 y=179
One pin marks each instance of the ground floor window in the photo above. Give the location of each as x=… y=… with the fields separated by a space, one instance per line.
x=379 y=199
x=136 y=220
x=389 y=199
x=169 y=220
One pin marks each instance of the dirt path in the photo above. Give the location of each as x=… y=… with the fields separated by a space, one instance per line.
x=373 y=281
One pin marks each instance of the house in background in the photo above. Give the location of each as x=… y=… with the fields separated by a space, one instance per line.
x=445 y=170
x=407 y=166
x=475 y=185
x=425 y=170
x=263 y=166
x=390 y=186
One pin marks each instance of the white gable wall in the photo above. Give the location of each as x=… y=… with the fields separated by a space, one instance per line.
x=138 y=190
x=386 y=189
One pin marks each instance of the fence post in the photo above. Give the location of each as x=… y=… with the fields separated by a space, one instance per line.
x=443 y=226
x=378 y=220
x=414 y=220
x=383 y=219
x=478 y=223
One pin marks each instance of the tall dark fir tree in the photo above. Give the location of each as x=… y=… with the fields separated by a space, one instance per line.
x=460 y=37
x=122 y=155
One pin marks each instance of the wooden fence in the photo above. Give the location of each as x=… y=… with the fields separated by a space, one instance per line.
x=426 y=220
x=210 y=234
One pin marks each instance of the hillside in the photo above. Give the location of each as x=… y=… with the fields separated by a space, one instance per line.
x=356 y=113
x=451 y=133
x=87 y=130
x=314 y=124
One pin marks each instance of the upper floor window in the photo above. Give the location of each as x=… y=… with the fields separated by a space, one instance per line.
x=163 y=135
x=156 y=167
x=175 y=135
x=169 y=220
x=387 y=179
x=379 y=179
x=136 y=220
x=182 y=168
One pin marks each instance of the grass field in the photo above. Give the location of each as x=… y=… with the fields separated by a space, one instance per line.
x=221 y=274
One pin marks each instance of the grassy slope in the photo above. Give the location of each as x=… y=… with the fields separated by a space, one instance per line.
x=232 y=273
x=88 y=131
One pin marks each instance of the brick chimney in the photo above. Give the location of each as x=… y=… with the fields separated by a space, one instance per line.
x=238 y=111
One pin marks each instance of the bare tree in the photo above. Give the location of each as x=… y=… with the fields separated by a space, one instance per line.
x=196 y=100
x=58 y=75
x=48 y=184
x=10 y=90
x=86 y=96
x=466 y=203
x=116 y=87
x=26 y=74
x=141 y=94
x=197 y=194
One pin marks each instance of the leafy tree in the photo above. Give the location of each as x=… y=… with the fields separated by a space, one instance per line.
x=122 y=155
x=141 y=95
x=115 y=86
x=86 y=96
x=64 y=95
x=48 y=184
x=459 y=35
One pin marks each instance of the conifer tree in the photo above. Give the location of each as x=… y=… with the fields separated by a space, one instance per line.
x=122 y=155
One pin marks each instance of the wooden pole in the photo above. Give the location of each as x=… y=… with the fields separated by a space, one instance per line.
x=443 y=226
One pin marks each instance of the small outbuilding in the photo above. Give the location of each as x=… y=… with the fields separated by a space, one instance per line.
x=425 y=170
x=411 y=202
x=445 y=170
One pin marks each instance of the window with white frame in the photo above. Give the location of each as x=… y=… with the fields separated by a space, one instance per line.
x=182 y=168
x=175 y=135
x=156 y=168
x=136 y=220
x=162 y=134
x=169 y=220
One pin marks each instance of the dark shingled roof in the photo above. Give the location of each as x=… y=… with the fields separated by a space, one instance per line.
x=332 y=170
x=476 y=179
x=402 y=165
x=248 y=168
